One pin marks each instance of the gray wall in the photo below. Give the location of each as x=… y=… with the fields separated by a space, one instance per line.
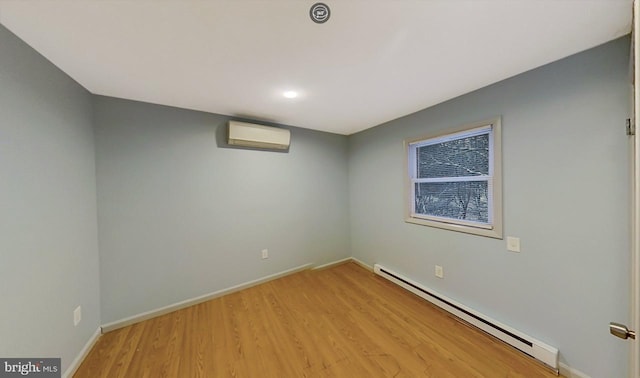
x=180 y=217
x=48 y=230
x=566 y=195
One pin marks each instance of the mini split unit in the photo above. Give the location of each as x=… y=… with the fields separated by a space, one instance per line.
x=258 y=136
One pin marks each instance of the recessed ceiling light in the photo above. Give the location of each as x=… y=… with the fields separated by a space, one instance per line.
x=290 y=94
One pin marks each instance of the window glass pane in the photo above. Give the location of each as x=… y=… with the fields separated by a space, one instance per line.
x=466 y=200
x=467 y=156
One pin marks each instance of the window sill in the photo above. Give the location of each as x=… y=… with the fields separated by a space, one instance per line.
x=495 y=233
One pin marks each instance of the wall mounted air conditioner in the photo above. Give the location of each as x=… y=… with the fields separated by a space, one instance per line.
x=258 y=136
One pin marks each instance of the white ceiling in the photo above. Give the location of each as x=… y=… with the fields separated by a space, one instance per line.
x=372 y=62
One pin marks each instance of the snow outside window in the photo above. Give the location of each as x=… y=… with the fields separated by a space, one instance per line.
x=454 y=181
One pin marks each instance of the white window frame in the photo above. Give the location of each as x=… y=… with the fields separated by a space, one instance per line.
x=491 y=229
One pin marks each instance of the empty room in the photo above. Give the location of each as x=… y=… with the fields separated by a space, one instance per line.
x=291 y=188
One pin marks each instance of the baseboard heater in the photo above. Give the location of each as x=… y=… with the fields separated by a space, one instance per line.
x=535 y=348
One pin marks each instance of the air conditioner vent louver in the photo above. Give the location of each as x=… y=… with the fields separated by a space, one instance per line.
x=258 y=136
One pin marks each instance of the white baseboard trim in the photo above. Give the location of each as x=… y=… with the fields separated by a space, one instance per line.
x=362 y=264
x=75 y=364
x=333 y=263
x=193 y=301
x=342 y=261
x=569 y=372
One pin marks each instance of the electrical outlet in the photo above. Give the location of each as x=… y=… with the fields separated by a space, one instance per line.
x=513 y=244
x=439 y=271
x=77 y=315
x=265 y=253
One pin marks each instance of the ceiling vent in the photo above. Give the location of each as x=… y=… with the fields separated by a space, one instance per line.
x=258 y=136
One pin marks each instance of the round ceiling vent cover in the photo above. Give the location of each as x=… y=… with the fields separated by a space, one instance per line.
x=320 y=13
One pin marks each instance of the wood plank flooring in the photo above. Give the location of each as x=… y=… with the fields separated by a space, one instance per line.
x=339 y=322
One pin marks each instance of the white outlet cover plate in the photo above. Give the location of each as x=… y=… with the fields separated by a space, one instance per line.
x=77 y=315
x=439 y=271
x=513 y=244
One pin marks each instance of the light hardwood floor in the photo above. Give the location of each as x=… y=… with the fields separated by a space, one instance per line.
x=339 y=322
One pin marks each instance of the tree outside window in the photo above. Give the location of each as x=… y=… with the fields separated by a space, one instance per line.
x=453 y=182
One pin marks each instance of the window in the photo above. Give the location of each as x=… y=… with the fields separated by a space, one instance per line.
x=454 y=180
